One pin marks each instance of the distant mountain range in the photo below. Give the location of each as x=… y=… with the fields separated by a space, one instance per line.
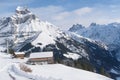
x=108 y=34
x=25 y=32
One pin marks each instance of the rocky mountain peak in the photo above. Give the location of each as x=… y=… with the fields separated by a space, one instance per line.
x=93 y=24
x=76 y=27
x=22 y=15
x=22 y=10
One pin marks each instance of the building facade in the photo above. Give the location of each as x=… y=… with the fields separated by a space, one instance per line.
x=41 y=58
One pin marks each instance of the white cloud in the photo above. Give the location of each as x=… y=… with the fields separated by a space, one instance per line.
x=83 y=11
x=61 y=17
x=48 y=9
x=47 y=13
x=77 y=12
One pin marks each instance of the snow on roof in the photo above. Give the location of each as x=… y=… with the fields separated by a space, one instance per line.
x=41 y=54
x=19 y=53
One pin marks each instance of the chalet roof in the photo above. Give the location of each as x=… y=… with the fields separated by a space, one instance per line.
x=41 y=55
x=19 y=53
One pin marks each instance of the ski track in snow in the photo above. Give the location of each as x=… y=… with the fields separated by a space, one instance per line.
x=17 y=74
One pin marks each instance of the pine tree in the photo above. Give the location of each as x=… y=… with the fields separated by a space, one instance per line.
x=103 y=72
x=11 y=51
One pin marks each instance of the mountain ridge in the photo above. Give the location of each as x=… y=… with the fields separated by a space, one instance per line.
x=108 y=34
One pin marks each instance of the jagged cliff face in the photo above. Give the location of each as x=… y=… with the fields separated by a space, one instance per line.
x=18 y=28
x=108 y=34
x=25 y=32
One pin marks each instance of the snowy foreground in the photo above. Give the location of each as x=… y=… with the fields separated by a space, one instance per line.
x=10 y=70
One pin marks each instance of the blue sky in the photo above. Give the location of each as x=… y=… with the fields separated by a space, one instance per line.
x=64 y=13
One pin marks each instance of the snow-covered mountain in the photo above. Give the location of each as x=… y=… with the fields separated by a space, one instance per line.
x=25 y=32
x=108 y=34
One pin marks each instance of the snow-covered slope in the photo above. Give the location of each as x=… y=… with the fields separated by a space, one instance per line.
x=10 y=70
x=62 y=72
x=48 y=34
x=25 y=32
x=108 y=34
